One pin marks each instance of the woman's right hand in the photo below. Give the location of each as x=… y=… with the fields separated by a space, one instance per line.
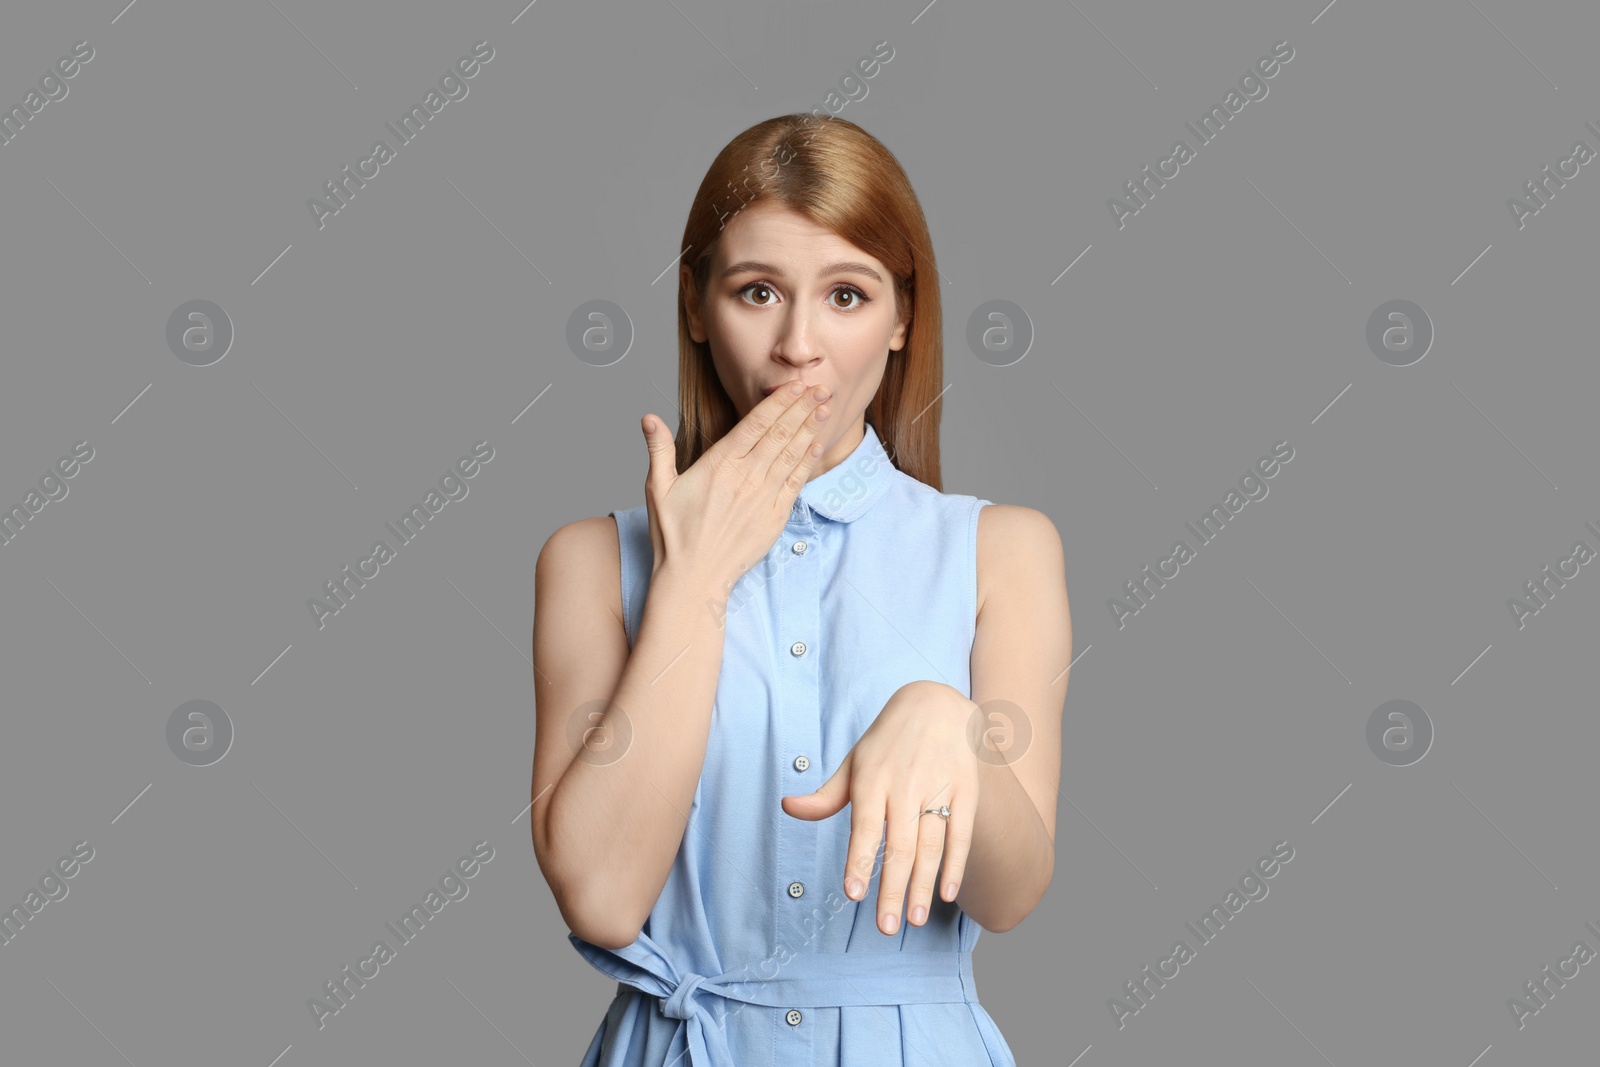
x=721 y=516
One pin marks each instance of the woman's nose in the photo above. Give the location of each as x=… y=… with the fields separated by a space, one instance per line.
x=796 y=342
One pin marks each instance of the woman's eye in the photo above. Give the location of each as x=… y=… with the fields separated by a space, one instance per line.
x=757 y=286
x=857 y=297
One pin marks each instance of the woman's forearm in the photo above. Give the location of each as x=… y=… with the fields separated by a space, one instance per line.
x=613 y=828
x=1011 y=860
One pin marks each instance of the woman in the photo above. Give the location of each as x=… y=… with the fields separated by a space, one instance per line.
x=797 y=622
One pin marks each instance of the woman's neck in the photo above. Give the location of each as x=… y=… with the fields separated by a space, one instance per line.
x=840 y=450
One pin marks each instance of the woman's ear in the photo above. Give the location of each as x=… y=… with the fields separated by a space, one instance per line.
x=691 y=303
x=902 y=328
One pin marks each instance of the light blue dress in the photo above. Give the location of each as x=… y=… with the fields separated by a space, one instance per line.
x=753 y=956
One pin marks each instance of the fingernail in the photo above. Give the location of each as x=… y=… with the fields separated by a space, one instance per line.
x=853 y=889
x=918 y=914
x=949 y=891
x=796 y=388
x=891 y=923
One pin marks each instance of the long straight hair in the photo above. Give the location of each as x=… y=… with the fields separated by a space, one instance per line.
x=843 y=179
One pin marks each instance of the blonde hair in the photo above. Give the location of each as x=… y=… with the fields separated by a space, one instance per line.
x=843 y=179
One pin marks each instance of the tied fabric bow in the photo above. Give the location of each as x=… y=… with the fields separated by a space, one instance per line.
x=705 y=1037
x=682 y=1005
x=644 y=966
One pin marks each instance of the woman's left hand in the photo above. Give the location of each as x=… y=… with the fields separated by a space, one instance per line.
x=915 y=755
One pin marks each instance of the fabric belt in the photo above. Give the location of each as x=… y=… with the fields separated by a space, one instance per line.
x=804 y=980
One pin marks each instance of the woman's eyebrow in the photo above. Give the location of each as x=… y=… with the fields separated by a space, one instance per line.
x=750 y=266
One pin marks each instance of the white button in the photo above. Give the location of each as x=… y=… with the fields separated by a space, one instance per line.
x=801 y=763
x=799 y=548
x=793 y=1018
x=797 y=649
x=796 y=888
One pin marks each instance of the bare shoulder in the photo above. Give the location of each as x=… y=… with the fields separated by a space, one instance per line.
x=583 y=557
x=1017 y=547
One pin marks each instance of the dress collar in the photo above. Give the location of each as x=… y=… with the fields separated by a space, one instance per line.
x=846 y=491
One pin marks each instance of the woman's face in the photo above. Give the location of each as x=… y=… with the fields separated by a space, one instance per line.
x=788 y=299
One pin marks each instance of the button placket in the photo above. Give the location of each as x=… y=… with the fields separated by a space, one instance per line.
x=798 y=618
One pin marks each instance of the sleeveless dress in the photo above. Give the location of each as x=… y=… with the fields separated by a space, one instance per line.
x=753 y=956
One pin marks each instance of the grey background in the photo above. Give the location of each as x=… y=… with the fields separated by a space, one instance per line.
x=1225 y=317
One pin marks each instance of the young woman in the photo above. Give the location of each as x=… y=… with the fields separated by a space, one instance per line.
x=796 y=621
